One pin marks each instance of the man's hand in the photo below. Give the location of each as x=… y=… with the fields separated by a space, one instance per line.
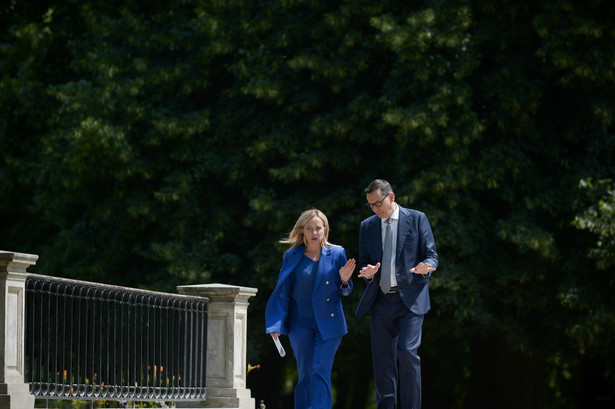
x=423 y=269
x=369 y=271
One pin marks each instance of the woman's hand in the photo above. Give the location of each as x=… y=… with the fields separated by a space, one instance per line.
x=347 y=270
x=275 y=335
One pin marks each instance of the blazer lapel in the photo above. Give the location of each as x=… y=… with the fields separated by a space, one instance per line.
x=294 y=256
x=403 y=230
x=375 y=231
x=324 y=264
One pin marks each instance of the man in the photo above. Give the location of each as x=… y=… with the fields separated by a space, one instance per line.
x=397 y=253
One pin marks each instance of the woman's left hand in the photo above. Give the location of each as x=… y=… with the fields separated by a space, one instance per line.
x=347 y=270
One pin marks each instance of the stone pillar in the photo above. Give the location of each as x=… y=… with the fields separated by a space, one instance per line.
x=14 y=392
x=227 y=317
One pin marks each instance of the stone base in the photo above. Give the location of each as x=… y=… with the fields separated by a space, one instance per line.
x=16 y=396
x=222 y=398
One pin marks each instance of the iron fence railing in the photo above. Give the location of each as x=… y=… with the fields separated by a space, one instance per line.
x=94 y=341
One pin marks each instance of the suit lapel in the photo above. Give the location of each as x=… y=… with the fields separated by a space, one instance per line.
x=324 y=264
x=403 y=229
x=375 y=231
x=294 y=256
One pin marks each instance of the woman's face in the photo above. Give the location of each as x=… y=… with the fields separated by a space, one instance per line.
x=314 y=231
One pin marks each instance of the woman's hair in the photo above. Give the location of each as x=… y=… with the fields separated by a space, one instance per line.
x=296 y=238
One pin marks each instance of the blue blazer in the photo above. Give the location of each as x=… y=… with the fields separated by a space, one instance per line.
x=415 y=243
x=326 y=299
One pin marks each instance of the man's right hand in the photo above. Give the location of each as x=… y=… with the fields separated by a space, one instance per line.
x=368 y=271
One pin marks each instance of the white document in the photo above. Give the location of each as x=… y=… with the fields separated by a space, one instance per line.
x=279 y=346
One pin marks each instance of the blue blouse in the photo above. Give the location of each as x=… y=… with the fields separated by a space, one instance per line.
x=302 y=312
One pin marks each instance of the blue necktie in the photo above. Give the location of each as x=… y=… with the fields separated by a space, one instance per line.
x=387 y=257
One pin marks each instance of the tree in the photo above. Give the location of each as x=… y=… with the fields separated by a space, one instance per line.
x=166 y=143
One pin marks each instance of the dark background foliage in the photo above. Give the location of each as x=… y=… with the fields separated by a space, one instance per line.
x=155 y=144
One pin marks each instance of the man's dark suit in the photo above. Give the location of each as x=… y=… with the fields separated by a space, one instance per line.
x=397 y=315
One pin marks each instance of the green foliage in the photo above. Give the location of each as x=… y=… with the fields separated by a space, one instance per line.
x=153 y=144
x=599 y=218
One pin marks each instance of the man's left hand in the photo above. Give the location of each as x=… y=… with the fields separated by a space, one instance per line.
x=423 y=269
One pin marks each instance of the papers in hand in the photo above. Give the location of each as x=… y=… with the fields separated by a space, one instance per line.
x=279 y=346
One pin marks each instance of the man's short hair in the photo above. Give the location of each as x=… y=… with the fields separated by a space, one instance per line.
x=383 y=185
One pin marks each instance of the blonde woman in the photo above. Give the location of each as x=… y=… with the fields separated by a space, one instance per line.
x=306 y=305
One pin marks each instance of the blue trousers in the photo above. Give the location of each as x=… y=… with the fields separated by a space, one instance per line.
x=314 y=358
x=396 y=337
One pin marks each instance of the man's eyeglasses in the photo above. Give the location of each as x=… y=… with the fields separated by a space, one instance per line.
x=376 y=204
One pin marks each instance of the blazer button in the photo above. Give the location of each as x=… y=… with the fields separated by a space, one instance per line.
x=327 y=300
x=333 y=315
x=327 y=283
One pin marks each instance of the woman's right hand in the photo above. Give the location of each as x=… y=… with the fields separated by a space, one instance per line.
x=275 y=335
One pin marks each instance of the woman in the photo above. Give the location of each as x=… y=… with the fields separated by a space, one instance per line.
x=306 y=305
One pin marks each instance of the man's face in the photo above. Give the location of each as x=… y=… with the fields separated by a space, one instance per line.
x=383 y=206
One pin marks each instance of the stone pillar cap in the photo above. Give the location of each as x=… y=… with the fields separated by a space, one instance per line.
x=217 y=289
x=11 y=262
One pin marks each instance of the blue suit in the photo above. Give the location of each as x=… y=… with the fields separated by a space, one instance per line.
x=396 y=319
x=314 y=348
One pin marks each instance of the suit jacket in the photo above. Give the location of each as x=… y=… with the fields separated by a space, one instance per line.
x=326 y=299
x=415 y=243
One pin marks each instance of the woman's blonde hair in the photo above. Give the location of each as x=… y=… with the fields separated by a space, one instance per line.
x=296 y=237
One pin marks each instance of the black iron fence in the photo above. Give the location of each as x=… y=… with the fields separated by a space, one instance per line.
x=94 y=341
